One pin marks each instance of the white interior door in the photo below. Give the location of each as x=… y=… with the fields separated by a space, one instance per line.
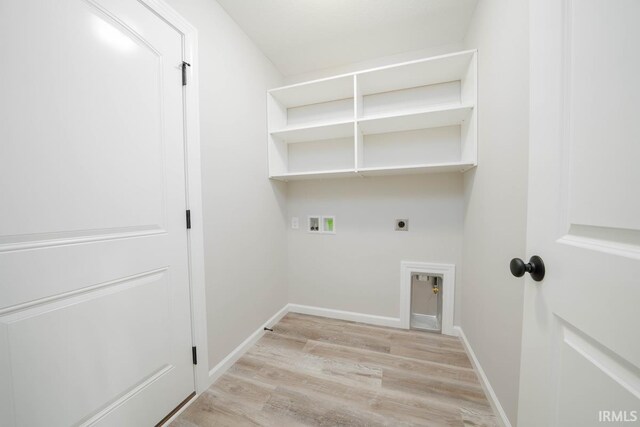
x=581 y=346
x=94 y=293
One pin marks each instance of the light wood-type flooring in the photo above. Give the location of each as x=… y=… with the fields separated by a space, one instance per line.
x=314 y=371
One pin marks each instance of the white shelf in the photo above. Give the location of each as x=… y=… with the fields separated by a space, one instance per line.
x=297 y=176
x=315 y=132
x=424 y=72
x=314 y=92
x=415 y=117
x=415 y=169
x=448 y=116
x=377 y=171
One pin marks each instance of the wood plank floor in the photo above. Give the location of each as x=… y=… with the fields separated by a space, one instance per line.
x=313 y=371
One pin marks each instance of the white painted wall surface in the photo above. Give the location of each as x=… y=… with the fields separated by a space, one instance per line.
x=245 y=235
x=374 y=63
x=301 y=36
x=358 y=268
x=361 y=267
x=496 y=196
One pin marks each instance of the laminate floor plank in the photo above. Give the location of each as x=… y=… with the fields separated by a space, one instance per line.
x=433 y=354
x=309 y=410
x=436 y=408
x=312 y=371
x=332 y=334
x=415 y=383
x=400 y=336
x=434 y=339
x=344 y=371
x=392 y=361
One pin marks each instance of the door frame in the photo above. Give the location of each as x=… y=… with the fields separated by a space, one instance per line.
x=193 y=185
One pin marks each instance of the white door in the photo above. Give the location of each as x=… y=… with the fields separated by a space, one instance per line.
x=94 y=293
x=581 y=344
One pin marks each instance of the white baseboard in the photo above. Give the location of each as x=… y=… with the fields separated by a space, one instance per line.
x=371 y=319
x=486 y=385
x=217 y=371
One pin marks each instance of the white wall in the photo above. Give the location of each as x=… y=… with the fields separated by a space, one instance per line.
x=358 y=268
x=496 y=196
x=376 y=62
x=245 y=236
x=251 y=252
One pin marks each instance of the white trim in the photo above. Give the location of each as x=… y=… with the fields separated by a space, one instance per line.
x=448 y=273
x=237 y=353
x=95 y=419
x=193 y=186
x=484 y=381
x=371 y=319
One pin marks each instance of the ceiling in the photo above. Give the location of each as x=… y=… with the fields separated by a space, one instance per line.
x=300 y=36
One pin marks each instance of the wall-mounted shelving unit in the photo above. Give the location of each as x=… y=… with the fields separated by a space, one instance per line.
x=414 y=117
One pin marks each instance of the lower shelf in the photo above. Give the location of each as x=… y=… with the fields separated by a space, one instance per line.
x=376 y=171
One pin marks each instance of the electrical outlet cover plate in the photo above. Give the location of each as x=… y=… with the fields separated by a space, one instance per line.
x=402 y=225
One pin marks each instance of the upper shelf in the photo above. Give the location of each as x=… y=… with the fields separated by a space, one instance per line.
x=424 y=72
x=447 y=116
x=315 y=92
x=370 y=122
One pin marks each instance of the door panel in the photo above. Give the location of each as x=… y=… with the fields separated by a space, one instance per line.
x=580 y=353
x=87 y=362
x=592 y=378
x=84 y=118
x=94 y=287
x=602 y=69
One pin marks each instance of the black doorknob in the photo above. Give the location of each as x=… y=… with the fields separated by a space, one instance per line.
x=535 y=266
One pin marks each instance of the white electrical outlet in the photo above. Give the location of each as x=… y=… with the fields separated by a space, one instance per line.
x=295 y=222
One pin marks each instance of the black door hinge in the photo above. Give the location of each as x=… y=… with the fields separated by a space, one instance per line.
x=188 y=219
x=194 y=355
x=184 y=72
